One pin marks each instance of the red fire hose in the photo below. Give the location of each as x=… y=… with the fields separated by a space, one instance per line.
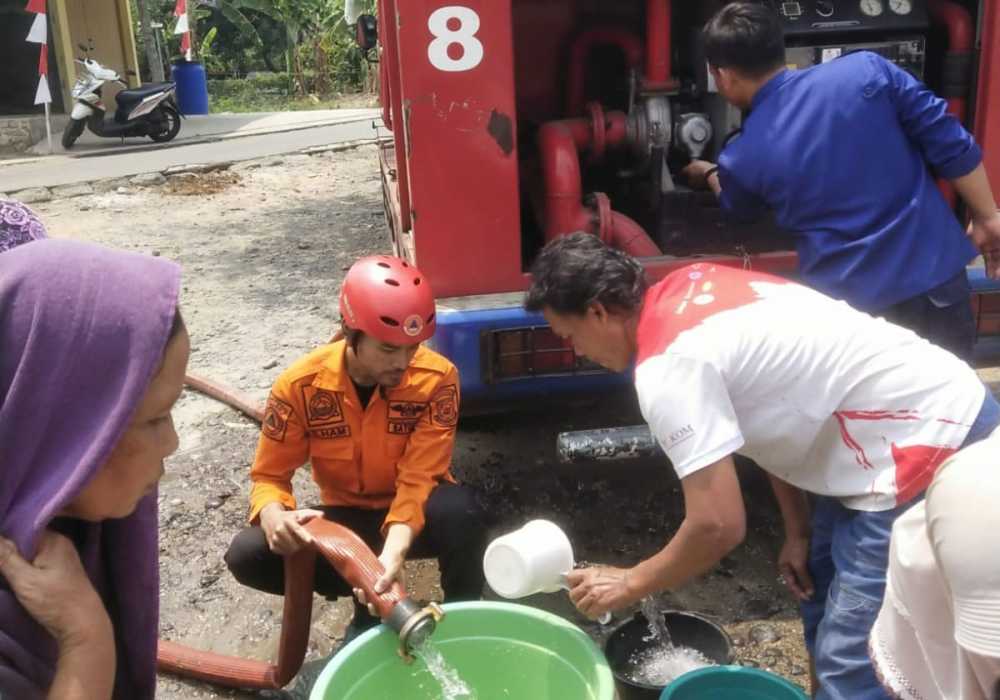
x=352 y=559
x=227 y=395
x=247 y=673
x=345 y=551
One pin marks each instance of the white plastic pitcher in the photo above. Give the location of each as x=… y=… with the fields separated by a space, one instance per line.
x=532 y=559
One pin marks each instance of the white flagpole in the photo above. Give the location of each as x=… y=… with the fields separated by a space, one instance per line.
x=39 y=34
x=48 y=126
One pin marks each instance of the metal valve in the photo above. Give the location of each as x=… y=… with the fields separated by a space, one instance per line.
x=694 y=131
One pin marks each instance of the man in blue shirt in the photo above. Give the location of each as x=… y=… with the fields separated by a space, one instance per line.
x=845 y=156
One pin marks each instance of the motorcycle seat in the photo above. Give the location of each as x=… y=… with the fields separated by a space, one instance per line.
x=134 y=95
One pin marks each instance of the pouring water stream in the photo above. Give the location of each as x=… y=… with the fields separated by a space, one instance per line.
x=662 y=662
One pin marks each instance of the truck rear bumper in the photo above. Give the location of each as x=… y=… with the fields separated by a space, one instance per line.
x=506 y=354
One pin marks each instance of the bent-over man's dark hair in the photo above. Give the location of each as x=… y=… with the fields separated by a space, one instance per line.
x=574 y=271
x=746 y=37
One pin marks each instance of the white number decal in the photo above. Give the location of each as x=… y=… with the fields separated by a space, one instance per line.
x=464 y=36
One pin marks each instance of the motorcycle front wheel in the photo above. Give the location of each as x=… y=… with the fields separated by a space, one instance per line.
x=170 y=124
x=72 y=132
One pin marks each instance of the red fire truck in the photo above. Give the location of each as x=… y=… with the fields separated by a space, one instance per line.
x=516 y=121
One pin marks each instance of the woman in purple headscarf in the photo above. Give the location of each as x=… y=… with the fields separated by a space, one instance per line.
x=18 y=224
x=92 y=358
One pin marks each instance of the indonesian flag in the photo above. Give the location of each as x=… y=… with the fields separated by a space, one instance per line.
x=39 y=34
x=180 y=12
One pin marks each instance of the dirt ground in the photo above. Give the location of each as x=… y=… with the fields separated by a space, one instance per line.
x=264 y=247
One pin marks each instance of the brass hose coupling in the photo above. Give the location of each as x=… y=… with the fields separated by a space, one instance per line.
x=413 y=624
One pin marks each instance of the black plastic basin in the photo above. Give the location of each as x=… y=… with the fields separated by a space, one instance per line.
x=686 y=629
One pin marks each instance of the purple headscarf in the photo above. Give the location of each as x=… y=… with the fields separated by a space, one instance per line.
x=82 y=333
x=18 y=224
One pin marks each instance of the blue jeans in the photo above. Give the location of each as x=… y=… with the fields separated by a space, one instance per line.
x=848 y=559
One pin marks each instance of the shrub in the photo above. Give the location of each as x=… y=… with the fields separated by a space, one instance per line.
x=262 y=84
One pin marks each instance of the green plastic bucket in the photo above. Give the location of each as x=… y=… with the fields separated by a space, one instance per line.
x=502 y=651
x=731 y=683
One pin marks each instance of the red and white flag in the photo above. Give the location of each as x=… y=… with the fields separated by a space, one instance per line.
x=39 y=30
x=39 y=34
x=183 y=28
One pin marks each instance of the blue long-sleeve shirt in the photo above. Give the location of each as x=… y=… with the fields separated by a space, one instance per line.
x=845 y=155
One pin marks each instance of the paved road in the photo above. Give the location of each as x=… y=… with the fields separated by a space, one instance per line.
x=65 y=170
x=198 y=128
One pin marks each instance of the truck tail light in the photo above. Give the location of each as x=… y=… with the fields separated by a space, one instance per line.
x=534 y=351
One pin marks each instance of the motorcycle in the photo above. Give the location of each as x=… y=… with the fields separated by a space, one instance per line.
x=150 y=110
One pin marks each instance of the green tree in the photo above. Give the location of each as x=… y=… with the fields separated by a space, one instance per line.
x=324 y=55
x=246 y=38
x=153 y=57
x=308 y=39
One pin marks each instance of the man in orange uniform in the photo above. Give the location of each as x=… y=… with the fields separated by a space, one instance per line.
x=375 y=414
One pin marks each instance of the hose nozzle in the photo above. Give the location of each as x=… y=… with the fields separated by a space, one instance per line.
x=414 y=624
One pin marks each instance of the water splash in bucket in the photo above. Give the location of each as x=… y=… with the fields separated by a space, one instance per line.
x=659 y=665
x=452 y=685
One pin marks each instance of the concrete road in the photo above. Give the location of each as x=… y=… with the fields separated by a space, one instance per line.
x=65 y=170
x=199 y=128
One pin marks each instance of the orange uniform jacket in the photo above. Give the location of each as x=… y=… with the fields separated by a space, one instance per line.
x=388 y=455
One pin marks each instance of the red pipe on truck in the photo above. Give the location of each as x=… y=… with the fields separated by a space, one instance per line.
x=961 y=36
x=958 y=59
x=564 y=210
x=657 y=74
x=658 y=45
x=559 y=143
x=629 y=44
x=629 y=236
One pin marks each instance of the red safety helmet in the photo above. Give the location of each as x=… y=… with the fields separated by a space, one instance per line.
x=389 y=299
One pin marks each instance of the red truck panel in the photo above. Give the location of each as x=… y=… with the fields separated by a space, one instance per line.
x=461 y=143
x=987 y=125
x=457 y=92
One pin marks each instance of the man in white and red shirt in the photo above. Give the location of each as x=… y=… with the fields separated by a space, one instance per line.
x=828 y=400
